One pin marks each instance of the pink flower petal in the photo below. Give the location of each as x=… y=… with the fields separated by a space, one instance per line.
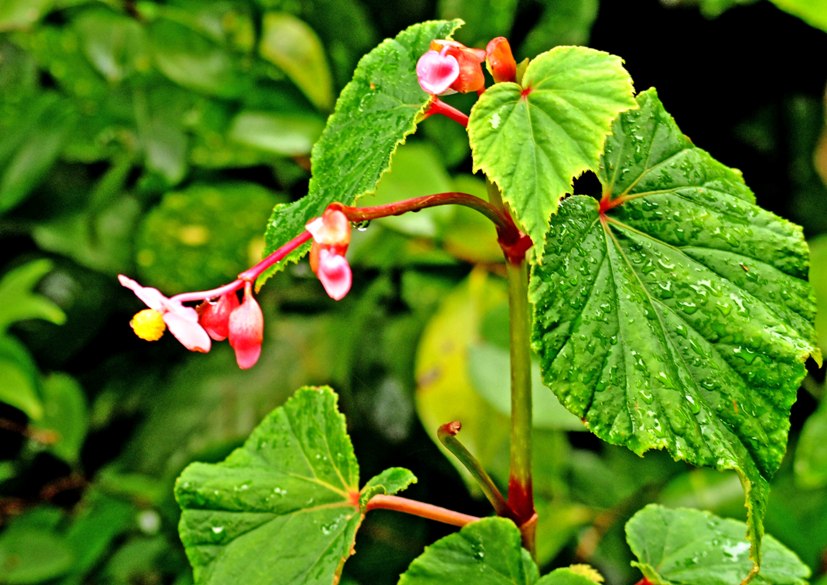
x=334 y=274
x=149 y=296
x=331 y=229
x=184 y=326
x=436 y=72
x=247 y=331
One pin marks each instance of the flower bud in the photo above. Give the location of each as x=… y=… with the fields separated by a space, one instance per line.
x=500 y=61
x=246 y=330
x=470 y=77
x=214 y=317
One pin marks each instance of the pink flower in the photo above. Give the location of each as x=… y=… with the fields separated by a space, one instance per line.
x=331 y=237
x=334 y=274
x=246 y=330
x=182 y=321
x=436 y=71
x=468 y=77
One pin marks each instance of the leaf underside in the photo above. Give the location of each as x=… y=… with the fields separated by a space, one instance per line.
x=681 y=318
x=374 y=114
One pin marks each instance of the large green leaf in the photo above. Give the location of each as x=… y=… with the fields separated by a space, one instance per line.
x=691 y=547
x=681 y=318
x=532 y=139
x=375 y=112
x=283 y=508
x=813 y=12
x=486 y=552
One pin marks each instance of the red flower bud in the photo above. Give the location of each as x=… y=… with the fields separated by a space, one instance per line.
x=214 y=317
x=246 y=330
x=500 y=61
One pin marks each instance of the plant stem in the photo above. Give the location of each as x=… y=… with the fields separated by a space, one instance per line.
x=500 y=219
x=437 y=106
x=520 y=488
x=448 y=436
x=421 y=509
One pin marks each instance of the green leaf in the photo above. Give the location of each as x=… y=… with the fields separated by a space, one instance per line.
x=533 y=139
x=114 y=44
x=484 y=19
x=681 y=318
x=19 y=14
x=18 y=301
x=813 y=12
x=486 y=552
x=691 y=547
x=66 y=414
x=190 y=241
x=568 y=576
x=37 y=152
x=390 y=481
x=563 y=22
x=21 y=382
x=194 y=61
x=810 y=455
x=294 y=47
x=30 y=555
x=818 y=278
x=374 y=114
x=283 y=508
x=279 y=133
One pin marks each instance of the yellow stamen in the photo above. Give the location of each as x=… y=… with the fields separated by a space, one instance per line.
x=148 y=324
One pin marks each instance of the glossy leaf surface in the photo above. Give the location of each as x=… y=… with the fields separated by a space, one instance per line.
x=690 y=547
x=533 y=139
x=375 y=112
x=679 y=319
x=486 y=552
x=283 y=508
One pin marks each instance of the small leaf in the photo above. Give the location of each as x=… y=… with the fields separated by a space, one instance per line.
x=486 y=552
x=570 y=576
x=680 y=318
x=691 y=547
x=374 y=114
x=21 y=382
x=283 y=508
x=194 y=61
x=279 y=133
x=813 y=12
x=390 y=481
x=19 y=302
x=533 y=139
x=294 y=47
x=114 y=44
x=810 y=455
x=66 y=414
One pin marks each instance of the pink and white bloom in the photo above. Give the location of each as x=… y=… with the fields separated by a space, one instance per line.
x=331 y=237
x=436 y=71
x=246 y=330
x=181 y=320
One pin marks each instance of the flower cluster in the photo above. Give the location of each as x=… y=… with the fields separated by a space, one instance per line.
x=450 y=66
x=219 y=315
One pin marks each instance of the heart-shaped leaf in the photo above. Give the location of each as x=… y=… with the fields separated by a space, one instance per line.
x=676 y=313
x=532 y=139
x=486 y=552
x=284 y=507
x=374 y=114
x=691 y=547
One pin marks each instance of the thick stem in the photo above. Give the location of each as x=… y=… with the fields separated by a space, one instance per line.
x=520 y=489
x=421 y=509
x=448 y=436
x=520 y=493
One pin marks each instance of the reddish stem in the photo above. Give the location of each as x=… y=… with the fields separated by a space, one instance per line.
x=437 y=106
x=421 y=509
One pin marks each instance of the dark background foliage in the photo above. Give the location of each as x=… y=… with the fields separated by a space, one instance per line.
x=154 y=138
